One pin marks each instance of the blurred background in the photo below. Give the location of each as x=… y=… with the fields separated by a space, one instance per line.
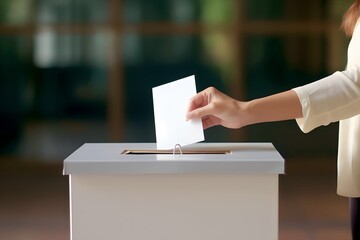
x=77 y=71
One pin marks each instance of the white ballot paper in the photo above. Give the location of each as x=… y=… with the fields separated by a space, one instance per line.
x=170 y=105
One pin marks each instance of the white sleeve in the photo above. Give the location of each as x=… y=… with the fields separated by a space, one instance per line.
x=330 y=99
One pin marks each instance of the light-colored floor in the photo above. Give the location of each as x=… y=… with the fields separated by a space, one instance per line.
x=34 y=201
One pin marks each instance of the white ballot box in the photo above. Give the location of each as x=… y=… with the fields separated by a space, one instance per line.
x=211 y=191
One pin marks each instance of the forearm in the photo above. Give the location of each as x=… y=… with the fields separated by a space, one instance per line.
x=278 y=107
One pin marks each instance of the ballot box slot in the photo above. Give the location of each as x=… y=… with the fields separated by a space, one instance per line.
x=184 y=151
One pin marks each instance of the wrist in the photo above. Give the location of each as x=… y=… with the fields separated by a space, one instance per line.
x=245 y=115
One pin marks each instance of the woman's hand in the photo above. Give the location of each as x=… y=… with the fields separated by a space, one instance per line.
x=215 y=108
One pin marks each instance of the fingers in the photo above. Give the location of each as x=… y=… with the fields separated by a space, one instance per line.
x=197 y=101
x=192 y=115
x=201 y=106
x=199 y=113
x=214 y=108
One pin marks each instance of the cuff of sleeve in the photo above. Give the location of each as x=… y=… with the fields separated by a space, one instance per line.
x=303 y=122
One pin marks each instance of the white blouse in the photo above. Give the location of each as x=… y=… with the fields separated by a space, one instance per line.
x=337 y=98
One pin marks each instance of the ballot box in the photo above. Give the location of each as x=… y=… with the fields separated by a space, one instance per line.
x=208 y=191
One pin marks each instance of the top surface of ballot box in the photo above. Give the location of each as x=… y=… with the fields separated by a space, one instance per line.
x=143 y=158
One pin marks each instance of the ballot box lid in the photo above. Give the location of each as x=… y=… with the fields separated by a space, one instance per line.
x=143 y=158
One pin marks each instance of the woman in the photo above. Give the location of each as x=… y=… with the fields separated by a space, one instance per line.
x=331 y=99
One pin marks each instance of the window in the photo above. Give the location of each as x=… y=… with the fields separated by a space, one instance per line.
x=96 y=60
